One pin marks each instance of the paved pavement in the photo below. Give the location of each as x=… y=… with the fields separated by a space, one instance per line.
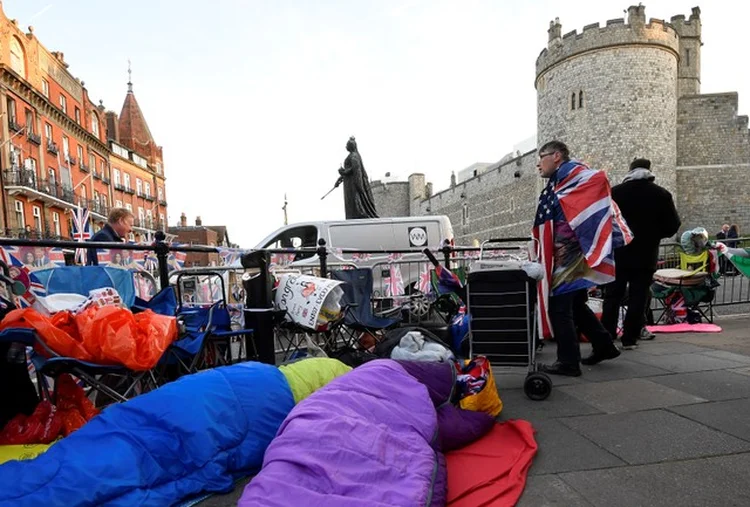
x=667 y=424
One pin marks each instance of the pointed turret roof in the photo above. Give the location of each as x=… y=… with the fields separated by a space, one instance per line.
x=134 y=131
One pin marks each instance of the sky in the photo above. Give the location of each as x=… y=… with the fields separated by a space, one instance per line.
x=254 y=100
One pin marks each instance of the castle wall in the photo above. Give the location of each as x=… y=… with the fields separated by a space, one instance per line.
x=713 y=173
x=391 y=199
x=709 y=131
x=627 y=75
x=498 y=203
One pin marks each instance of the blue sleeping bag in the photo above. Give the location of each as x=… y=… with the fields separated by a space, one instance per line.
x=194 y=435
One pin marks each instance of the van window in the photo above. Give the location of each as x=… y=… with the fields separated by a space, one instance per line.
x=297 y=237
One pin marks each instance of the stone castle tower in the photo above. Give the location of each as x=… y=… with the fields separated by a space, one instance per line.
x=611 y=92
x=628 y=89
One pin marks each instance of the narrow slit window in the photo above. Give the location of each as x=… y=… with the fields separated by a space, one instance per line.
x=687 y=58
x=573 y=101
x=580 y=99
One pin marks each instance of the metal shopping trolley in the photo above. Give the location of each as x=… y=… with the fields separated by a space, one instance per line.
x=501 y=299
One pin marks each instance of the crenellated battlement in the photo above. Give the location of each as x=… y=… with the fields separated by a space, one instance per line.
x=617 y=32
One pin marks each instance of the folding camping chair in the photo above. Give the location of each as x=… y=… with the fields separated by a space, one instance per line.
x=359 y=317
x=115 y=382
x=692 y=292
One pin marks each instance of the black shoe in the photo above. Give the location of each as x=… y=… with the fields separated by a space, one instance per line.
x=598 y=357
x=558 y=368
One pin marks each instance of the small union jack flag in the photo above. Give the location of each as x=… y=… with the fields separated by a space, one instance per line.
x=81 y=231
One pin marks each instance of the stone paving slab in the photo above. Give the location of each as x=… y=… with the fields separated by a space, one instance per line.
x=730 y=356
x=714 y=385
x=559 y=404
x=563 y=450
x=629 y=395
x=550 y=491
x=654 y=436
x=657 y=347
x=732 y=417
x=682 y=363
x=617 y=369
x=719 y=481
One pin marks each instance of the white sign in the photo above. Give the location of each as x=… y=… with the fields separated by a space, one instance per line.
x=417 y=236
x=303 y=297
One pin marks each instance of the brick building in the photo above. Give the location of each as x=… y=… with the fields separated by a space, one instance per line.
x=612 y=93
x=56 y=150
x=199 y=234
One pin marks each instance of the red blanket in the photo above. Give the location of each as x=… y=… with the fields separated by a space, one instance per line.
x=492 y=470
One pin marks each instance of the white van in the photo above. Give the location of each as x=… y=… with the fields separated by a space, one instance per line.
x=374 y=234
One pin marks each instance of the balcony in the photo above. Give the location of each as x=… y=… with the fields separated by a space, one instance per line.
x=144 y=223
x=70 y=160
x=144 y=195
x=52 y=148
x=15 y=127
x=129 y=190
x=98 y=207
x=34 y=138
x=83 y=167
x=105 y=180
x=49 y=191
x=163 y=202
x=120 y=187
x=95 y=174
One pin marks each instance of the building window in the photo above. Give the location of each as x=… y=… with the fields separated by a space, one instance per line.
x=30 y=165
x=580 y=99
x=161 y=219
x=161 y=193
x=148 y=190
x=102 y=167
x=80 y=154
x=52 y=177
x=158 y=168
x=573 y=101
x=126 y=181
x=92 y=162
x=687 y=57
x=56 y=222
x=17 y=57
x=37 y=212
x=139 y=186
x=45 y=87
x=118 y=203
x=66 y=147
x=11 y=110
x=78 y=115
x=141 y=216
x=48 y=132
x=19 y=215
x=63 y=104
x=129 y=207
x=95 y=124
x=117 y=177
x=83 y=193
x=465 y=215
x=30 y=127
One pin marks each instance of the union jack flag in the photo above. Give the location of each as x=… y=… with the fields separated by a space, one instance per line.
x=394 y=282
x=81 y=231
x=18 y=271
x=581 y=197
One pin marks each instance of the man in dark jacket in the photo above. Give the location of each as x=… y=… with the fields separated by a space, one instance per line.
x=650 y=212
x=116 y=230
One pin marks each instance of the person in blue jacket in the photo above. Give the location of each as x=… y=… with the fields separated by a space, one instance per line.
x=119 y=225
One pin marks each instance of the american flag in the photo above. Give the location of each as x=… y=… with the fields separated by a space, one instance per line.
x=81 y=231
x=581 y=196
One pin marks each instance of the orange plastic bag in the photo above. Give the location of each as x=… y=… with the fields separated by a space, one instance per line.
x=41 y=427
x=102 y=335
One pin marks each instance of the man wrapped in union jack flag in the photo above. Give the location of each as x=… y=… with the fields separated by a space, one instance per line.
x=578 y=227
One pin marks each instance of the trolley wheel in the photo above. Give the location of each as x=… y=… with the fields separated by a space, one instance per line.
x=537 y=386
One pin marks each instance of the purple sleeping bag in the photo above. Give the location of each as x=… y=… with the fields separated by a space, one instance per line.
x=369 y=438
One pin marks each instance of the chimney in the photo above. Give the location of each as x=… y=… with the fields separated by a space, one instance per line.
x=183 y=220
x=113 y=129
x=198 y=221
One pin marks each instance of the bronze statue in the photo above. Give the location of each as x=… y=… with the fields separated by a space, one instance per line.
x=358 y=200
